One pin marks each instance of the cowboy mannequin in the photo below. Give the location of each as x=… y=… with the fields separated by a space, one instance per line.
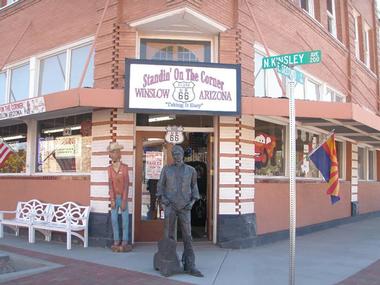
x=177 y=192
x=118 y=180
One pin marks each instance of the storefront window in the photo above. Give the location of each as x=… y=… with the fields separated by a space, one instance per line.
x=361 y=163
x=192 y=51
x=64 y=144
x=14 y=137
x=305 y=143
x=371 y=165
x=269 y=148
x=340 y=156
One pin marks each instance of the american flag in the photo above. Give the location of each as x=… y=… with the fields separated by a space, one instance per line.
x=5 y=152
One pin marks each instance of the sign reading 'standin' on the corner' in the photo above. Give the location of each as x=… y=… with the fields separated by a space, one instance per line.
x=178 y=87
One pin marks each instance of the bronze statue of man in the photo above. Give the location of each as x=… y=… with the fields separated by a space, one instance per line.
x=177 y=190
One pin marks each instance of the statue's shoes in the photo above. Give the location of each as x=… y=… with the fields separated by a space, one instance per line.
x=194 y=272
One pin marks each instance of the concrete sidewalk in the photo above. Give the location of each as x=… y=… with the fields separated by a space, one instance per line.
x=323 y=258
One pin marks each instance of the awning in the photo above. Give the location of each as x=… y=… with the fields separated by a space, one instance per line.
x=349 y=120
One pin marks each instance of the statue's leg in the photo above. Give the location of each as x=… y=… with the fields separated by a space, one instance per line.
x=188 y=257
x=115 y=223
x=170 y=220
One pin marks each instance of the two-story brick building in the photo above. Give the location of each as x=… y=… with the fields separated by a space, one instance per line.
x=60 y=132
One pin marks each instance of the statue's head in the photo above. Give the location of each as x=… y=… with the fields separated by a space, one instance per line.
x=177 y=153
x=114 y=150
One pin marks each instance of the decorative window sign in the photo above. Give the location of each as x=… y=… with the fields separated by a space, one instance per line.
x=153 y=86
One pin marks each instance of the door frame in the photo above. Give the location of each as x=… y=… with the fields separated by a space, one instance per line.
x=212 y=172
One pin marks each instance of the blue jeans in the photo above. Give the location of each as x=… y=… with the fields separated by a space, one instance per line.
x=115 y=220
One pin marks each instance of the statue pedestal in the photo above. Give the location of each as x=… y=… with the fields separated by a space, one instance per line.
x=166 y=259
x=5 y=264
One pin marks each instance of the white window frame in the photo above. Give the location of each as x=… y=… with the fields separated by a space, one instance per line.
x=310 y=5
x=366 y=46
x=314 y=82
x=356 y=36
x=331 y=16
x=366 y=163
x=9 y=3
x=374 y=166
x=68 y=50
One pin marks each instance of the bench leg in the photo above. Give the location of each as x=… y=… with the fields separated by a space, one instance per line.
x=32 y=235
x=68 y=240
x=17 y=231
x=86 y=238
x=48 y=236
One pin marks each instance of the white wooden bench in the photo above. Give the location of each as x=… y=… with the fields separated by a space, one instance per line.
x=46 y=218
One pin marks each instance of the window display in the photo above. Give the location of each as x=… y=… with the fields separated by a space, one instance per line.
x=64 y=144
x=305 y=143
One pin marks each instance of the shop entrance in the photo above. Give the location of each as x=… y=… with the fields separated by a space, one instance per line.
x=152 y=153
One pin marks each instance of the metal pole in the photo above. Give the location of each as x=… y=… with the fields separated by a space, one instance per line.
x=292 y=178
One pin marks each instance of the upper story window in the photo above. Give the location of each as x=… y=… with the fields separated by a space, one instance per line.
x=19 y=83
x=63 y=70
x=191 y=51
x=308 y=6
x=59 y=70
x=366 y=46
x=331 y=17
x=5 y=3
x=356 y=30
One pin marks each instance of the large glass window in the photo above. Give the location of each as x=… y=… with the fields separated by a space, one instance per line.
x=371 y=165
x=361 y=163
x=312 y=90
x=19 y=83
x=308 y=6
x=64 y=144
x=305 y=143
x=78 y=60
x=3 y=79
x=269 y=148
x=340 y=156
x=52 y=74
x=14 y=137
x=331 y=19
x=175 y=50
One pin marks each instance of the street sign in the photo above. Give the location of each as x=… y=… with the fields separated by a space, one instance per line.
x=291 y=73
x=292 y=59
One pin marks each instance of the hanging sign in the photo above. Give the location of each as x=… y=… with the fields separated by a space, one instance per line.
x=22 y=108
x=154 y=161
x=174 y=135
x=154 y=86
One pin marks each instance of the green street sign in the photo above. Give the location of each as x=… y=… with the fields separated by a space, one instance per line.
x=292 y=59
x=291 y=73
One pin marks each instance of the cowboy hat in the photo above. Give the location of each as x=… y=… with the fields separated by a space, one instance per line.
x=114 y=146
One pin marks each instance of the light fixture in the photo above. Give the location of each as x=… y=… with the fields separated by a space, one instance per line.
x=161 y=118
x=60 y=130
x=13 y=137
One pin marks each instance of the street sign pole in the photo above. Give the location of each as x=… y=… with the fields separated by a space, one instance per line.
x=292 y=178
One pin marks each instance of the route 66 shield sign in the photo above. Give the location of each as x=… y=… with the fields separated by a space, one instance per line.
x=183 y=91
x=174 y=134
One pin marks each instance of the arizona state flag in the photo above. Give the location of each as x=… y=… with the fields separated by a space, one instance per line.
x=325 y=159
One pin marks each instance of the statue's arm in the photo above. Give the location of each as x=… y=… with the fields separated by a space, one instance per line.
x=161 y=184
x=194 y=190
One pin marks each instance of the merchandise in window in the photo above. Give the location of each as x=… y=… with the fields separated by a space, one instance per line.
x=64 y=144
x=19 y=83
x=14 y=137
x=269 y=149
x=305 y=143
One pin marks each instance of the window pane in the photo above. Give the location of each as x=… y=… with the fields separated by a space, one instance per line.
x=312 y=90
x=20 y=83
x=327 y=96
x=185 y=54
x=330 y=6
x=371 y=165
x=52 y=74
x=78 y=60
x=15 y=137
x=269 y=149
x=305 y=143
x=274 y=90
x=64 y=144
x=340 y=155
x=3 y=79
x=361 y=165
x=259 y=77
x=299 y=92
x=305 y=4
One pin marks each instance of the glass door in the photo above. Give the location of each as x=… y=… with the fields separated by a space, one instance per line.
x=151 y=156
